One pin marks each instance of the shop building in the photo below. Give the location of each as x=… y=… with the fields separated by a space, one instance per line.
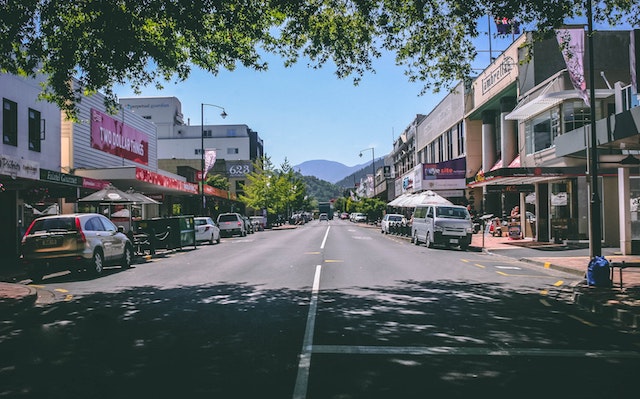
x=527 y=104
x=180 y=144
x=30 y=150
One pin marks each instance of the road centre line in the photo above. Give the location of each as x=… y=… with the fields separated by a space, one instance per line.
x=302 y=379
x=470 y=351
x=326 y=234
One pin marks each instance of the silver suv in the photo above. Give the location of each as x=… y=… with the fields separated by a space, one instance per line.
x=73 y=242
x=231 y=223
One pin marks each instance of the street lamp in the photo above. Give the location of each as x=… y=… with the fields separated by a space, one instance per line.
x=373 y=169
x=595 y=203
x=223 y=114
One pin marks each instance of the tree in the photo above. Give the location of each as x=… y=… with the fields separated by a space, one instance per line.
x=109 y=42
x=279 y=191
x=218 y=181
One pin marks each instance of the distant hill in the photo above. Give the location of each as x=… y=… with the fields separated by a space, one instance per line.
x=327 y=170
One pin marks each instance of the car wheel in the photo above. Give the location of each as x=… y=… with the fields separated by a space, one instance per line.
x=211 y=239
x=464 y=247
x=427 y=241
x=97 y=263
x=127 y=257
x=218 y=239
x=414 y=239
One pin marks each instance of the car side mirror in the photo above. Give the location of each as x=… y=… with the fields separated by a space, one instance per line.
x=121 y=229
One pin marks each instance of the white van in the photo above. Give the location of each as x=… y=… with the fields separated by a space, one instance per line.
x=449 y=225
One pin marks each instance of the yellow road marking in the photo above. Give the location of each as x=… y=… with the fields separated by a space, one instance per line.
x=544 y=292
x=36 y=286
x=465 y=261
x=333 y=261
x=583 y=321
x=68 y=297
x=558 y=283
x=312 y=253
x=479 y=265
x=502 y=274
x=547 y=265
x=61 y=290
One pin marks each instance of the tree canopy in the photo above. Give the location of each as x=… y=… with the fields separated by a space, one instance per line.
x=104 y=43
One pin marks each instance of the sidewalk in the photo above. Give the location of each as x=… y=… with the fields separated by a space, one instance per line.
x=619 y=303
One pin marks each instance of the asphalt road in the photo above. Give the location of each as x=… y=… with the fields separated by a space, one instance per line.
x=328 y=310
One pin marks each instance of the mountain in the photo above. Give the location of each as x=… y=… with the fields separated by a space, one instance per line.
x=327 y=170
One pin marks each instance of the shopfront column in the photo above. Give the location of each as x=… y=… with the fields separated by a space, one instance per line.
x=624 y=210
x=488 y=140
x=509 y=141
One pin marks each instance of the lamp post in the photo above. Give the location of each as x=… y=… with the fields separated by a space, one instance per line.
x=223 y=114
x=373 y=169
x=595 y=212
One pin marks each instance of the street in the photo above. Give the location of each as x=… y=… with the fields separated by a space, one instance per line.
x=327 y=310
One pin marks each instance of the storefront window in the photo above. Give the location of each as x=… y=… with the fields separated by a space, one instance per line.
x=575 y=114
x=541 y=130
x=563 y=201
x=634 y=187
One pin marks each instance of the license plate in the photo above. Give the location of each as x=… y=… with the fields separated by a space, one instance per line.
x=49 y=242
x=453 y=240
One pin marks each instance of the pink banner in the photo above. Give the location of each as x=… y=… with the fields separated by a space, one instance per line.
x=571 y=43
x=114 y=137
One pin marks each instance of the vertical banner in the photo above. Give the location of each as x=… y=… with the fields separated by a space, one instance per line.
x=209 y=161
x=571 y=43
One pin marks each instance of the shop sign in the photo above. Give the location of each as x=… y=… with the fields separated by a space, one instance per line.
x=94 y=184
x=59 y=177
x=453 y=169
x=165 y=181
x=114 y=137
x=17 y=167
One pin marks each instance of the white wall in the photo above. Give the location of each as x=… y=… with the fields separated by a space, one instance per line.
x=25 y=92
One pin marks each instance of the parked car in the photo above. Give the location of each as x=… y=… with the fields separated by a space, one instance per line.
x=344 y=216
x=389 y=220
x=231 y=224
x=442 y=224
x=247 y=224
x=74 y=242
x=206 y=230
x=358 y=217
x=258 y=222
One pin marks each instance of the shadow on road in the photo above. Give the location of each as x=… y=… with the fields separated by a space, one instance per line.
x=241 y=341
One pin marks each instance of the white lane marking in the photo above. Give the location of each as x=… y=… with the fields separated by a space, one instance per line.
x=471 y=351
x=302 y=380
x=326 y=234
x=508 y=267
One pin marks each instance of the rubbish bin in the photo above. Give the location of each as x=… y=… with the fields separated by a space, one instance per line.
x=599 y=272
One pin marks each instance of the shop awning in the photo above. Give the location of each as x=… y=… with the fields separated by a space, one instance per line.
x=518 y=176
x=526 y=110
x=422 y=198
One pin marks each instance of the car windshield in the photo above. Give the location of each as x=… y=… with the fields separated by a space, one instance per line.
x=451 y=212
x=228 y=218
x=200 y=222
x=66 y=224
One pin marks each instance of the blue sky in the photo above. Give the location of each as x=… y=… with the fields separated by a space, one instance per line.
x=304 y=114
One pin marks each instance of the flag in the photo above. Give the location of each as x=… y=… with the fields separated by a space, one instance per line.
x=507 y=26
x=209 y=160
x=571 y=43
